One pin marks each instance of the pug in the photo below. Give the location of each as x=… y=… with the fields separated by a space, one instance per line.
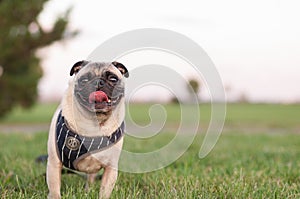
x=86 y=132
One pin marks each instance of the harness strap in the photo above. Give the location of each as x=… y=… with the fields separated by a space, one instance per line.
x=71 y=145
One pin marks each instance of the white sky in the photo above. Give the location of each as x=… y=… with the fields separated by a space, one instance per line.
x=255 y=45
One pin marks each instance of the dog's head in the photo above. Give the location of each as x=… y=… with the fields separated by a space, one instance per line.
x=99 y=86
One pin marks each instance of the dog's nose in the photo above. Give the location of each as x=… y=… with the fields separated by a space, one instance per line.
x=99 y=83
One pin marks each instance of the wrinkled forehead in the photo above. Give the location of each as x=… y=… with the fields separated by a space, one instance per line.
x=98 y=68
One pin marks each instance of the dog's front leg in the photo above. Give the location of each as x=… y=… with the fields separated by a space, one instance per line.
x=54 y=179
x=109 y=178
x=90 y=180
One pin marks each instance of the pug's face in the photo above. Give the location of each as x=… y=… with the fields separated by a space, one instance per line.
x=99 y=86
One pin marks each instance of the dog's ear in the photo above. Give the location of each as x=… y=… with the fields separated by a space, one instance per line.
x=121 y=68
x=77 y=66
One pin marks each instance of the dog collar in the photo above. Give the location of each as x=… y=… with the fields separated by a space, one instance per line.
x=72 y=146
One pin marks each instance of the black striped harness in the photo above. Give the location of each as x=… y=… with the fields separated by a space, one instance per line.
x=72 y=146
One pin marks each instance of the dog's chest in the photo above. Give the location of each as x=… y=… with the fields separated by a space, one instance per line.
x=89 y=165
x=94 y=162
x=84 y=153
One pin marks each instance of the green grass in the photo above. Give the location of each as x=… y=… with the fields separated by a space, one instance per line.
x=245 y=115
x=39 y=113
x=240 y=166
x=271 y=115
x=264 y=164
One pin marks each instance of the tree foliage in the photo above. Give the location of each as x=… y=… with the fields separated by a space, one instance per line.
x=21 y=35
x=194 y=88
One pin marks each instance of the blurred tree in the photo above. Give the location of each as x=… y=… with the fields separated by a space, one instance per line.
x=21 y=35
x=193 y=88
x=174 y=100
x=243 y=98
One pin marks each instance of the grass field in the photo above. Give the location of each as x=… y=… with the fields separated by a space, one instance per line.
x=264 y=163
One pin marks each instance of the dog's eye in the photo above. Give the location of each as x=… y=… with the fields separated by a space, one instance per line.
x=84 y=80
x=113 y=78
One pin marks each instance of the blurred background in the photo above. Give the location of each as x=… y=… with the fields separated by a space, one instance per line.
x=255 y=46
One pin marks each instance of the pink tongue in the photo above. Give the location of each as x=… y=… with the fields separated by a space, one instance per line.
x=98 y=96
